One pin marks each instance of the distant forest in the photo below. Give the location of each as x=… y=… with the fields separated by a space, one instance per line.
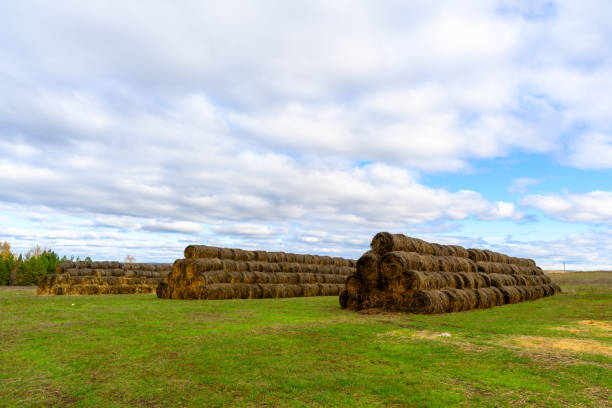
x=25 y=270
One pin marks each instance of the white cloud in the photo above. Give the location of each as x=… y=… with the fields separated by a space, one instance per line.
x=591 y=151
x=173 y=226
x=521 y=185
x=593 y=207
x=586 y=251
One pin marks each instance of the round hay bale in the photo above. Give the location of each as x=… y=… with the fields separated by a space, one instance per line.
x=311 y=289
x=226 y=253
x=261 y=256
x=468 y=280
x=408 y=282
x=428 y=302
x=63 y=266
x=479 y=281
x=459 y=251
x=343 y=299
x=277 y=257
x=426 y=248
x=161 y=290
x=511 y=294
x=484 y=297
x=459 y=283
x=201 y=251
x=446 y=264
x=333 y=278
x=239 y=255
x=353 y=285
x=438 y=250
x=197 y=266
x=429 y=263
x=368 y=266
x=348 y=302
x=393 y=264
x=476 y=255
x=306 y=278
x=325 y=260
x=384 y=242
x=309 y=259
x=330 y=289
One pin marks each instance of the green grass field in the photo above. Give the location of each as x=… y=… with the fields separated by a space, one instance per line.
x=111 y=351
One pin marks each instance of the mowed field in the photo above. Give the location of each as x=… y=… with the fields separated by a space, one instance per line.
x=137 y=350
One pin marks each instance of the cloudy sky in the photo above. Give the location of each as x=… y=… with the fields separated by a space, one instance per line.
x=140 y=127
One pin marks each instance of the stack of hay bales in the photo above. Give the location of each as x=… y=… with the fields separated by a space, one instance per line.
x=103 y=278
x=223 y=273
x=408 y=274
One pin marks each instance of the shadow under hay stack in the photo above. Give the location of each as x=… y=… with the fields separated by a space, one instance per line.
x=223 y=273
x=401 y=273
x=103 y=278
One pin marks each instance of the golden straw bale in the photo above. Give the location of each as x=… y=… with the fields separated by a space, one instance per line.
x=384 y=242
x=429 y=301
x=226 y=253
x=261 y=256
x=344 y=299
x=439 y=250
x=330 y=289
x=368 y=266
x=353 y=285
x=459 y=251
x=468 y=280
x=511 y=294
x=311 y=289
x=325 y=260
x=162 y=290
x=456 y=300
x=195 y=266
x=309 y=259
x=201 y=251
x=544 y=279
x=409 y=281
x=348 y=301
x=446 y=264
x=239 y=255
x=474 y=255
x=61 y=267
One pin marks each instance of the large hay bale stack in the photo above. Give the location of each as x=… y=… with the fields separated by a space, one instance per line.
x=408 y=274
x=103 y=278
x=209 y=272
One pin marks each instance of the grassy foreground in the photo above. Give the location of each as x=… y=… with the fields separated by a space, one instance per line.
x=124 y=350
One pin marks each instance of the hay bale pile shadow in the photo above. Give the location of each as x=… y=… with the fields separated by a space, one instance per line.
x=209 y=272
x=103 y=278
x=407 y=274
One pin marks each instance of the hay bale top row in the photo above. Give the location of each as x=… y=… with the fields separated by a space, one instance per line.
x=384 y=242
x=67 y=265
x=205 y=251
x=202 y=265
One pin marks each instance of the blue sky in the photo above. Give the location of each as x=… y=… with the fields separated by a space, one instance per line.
x=139 y=128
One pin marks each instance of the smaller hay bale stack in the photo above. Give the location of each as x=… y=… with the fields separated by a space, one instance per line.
x=409 y=274
x=213 y=273
x=103 y=278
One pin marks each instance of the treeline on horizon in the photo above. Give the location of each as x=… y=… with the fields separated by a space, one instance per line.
x=26 y=270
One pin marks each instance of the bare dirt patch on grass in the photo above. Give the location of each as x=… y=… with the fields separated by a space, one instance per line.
x=597 y=324
x=409 y=334
x=412 y=335
x=593 y=328
x=563 y=345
